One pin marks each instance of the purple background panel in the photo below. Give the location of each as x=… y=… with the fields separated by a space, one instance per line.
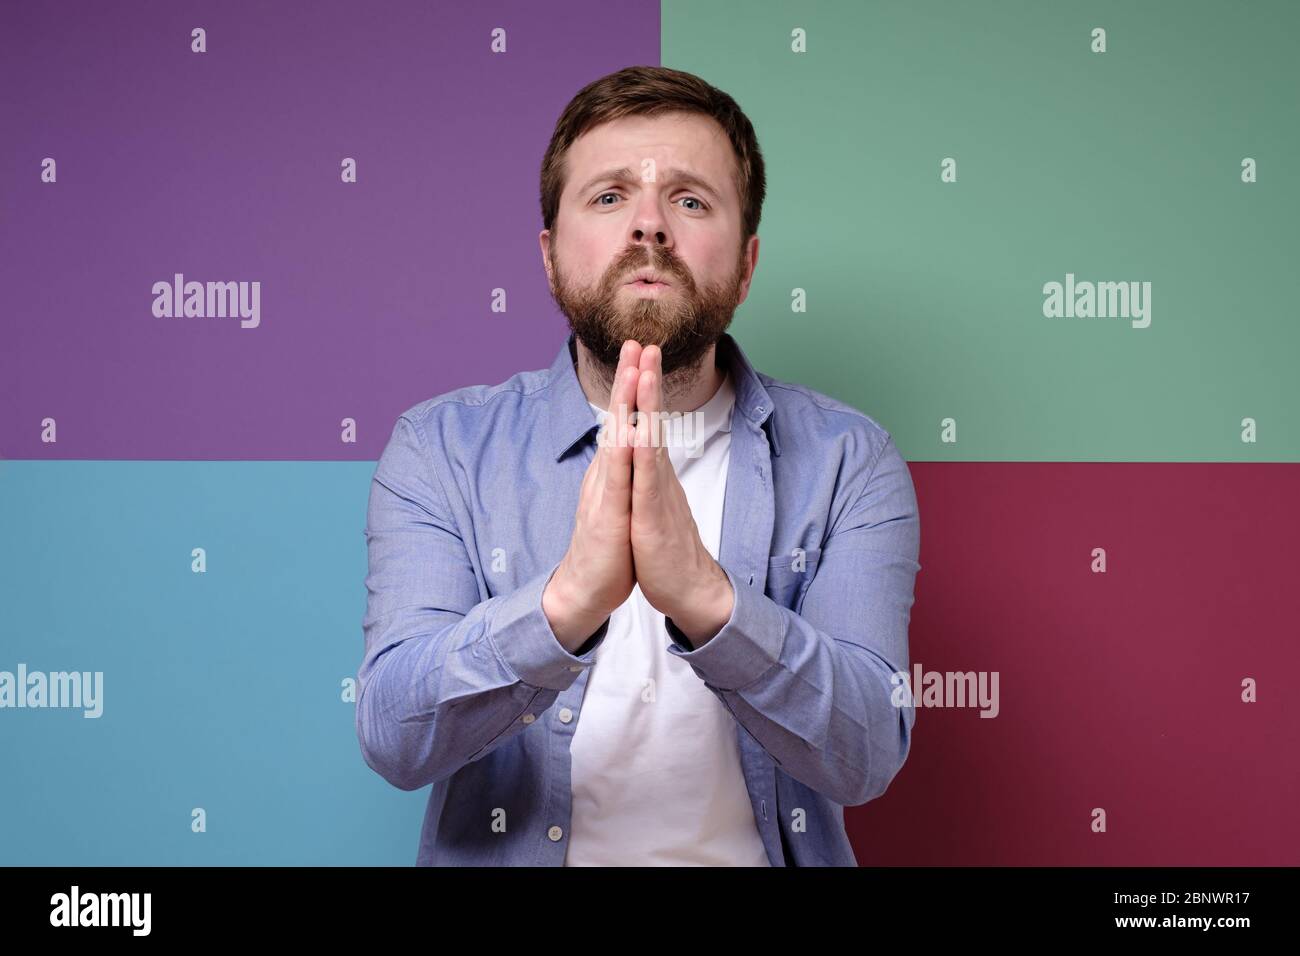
x=225 y=166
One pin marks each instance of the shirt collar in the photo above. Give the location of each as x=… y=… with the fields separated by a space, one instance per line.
x=572 y=419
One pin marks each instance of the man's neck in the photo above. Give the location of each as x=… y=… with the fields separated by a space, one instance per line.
x=684 y=389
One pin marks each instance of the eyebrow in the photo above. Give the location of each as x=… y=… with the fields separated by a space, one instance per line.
x=670 y=177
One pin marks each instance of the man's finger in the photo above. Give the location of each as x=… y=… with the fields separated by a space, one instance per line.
x=649 y=399
x=618 y=474
x=629 y=357
x=645 y=464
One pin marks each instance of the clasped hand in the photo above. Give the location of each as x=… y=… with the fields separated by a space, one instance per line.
x=633 y=525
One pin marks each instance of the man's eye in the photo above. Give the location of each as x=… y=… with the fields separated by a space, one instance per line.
x=691 y=198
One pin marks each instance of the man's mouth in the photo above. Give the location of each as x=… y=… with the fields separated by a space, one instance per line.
x=648 y=277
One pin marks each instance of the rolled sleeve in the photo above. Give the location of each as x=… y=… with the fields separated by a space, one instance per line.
x=447 y=676
x=815 y=687
x=523 y=637
x=748 y=645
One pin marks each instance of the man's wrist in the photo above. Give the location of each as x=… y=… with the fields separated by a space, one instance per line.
x=573 y=625
x=704 y=616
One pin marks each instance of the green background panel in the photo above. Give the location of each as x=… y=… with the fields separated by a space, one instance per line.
x=925 y=298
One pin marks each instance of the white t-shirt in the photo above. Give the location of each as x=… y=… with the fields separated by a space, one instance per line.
x=656 y=772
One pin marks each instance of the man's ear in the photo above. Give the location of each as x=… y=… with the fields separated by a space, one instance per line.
x=544 y=240
x=751 y=263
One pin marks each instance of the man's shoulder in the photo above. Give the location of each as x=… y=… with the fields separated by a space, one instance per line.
x=520 y=394
x=805 y=415
x=819 y=433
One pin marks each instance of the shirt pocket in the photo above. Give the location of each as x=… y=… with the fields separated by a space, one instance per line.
x=788 y=576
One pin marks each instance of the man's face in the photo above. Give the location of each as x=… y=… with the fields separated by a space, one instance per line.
x=609 y=228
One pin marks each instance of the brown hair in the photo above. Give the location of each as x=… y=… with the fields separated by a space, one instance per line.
x=648 y=91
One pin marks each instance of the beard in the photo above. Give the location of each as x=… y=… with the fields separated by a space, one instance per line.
x=684 y=320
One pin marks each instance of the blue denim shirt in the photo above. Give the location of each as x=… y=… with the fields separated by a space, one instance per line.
x=465 y=687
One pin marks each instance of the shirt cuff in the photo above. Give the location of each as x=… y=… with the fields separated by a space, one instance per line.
x=746 y=647
x=522 y=637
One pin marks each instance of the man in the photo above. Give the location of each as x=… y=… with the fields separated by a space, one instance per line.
x=604 y=648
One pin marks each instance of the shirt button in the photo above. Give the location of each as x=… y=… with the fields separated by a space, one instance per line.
x=575 y=667
x=529 y=718
x=566 y=715
x=555 y=833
